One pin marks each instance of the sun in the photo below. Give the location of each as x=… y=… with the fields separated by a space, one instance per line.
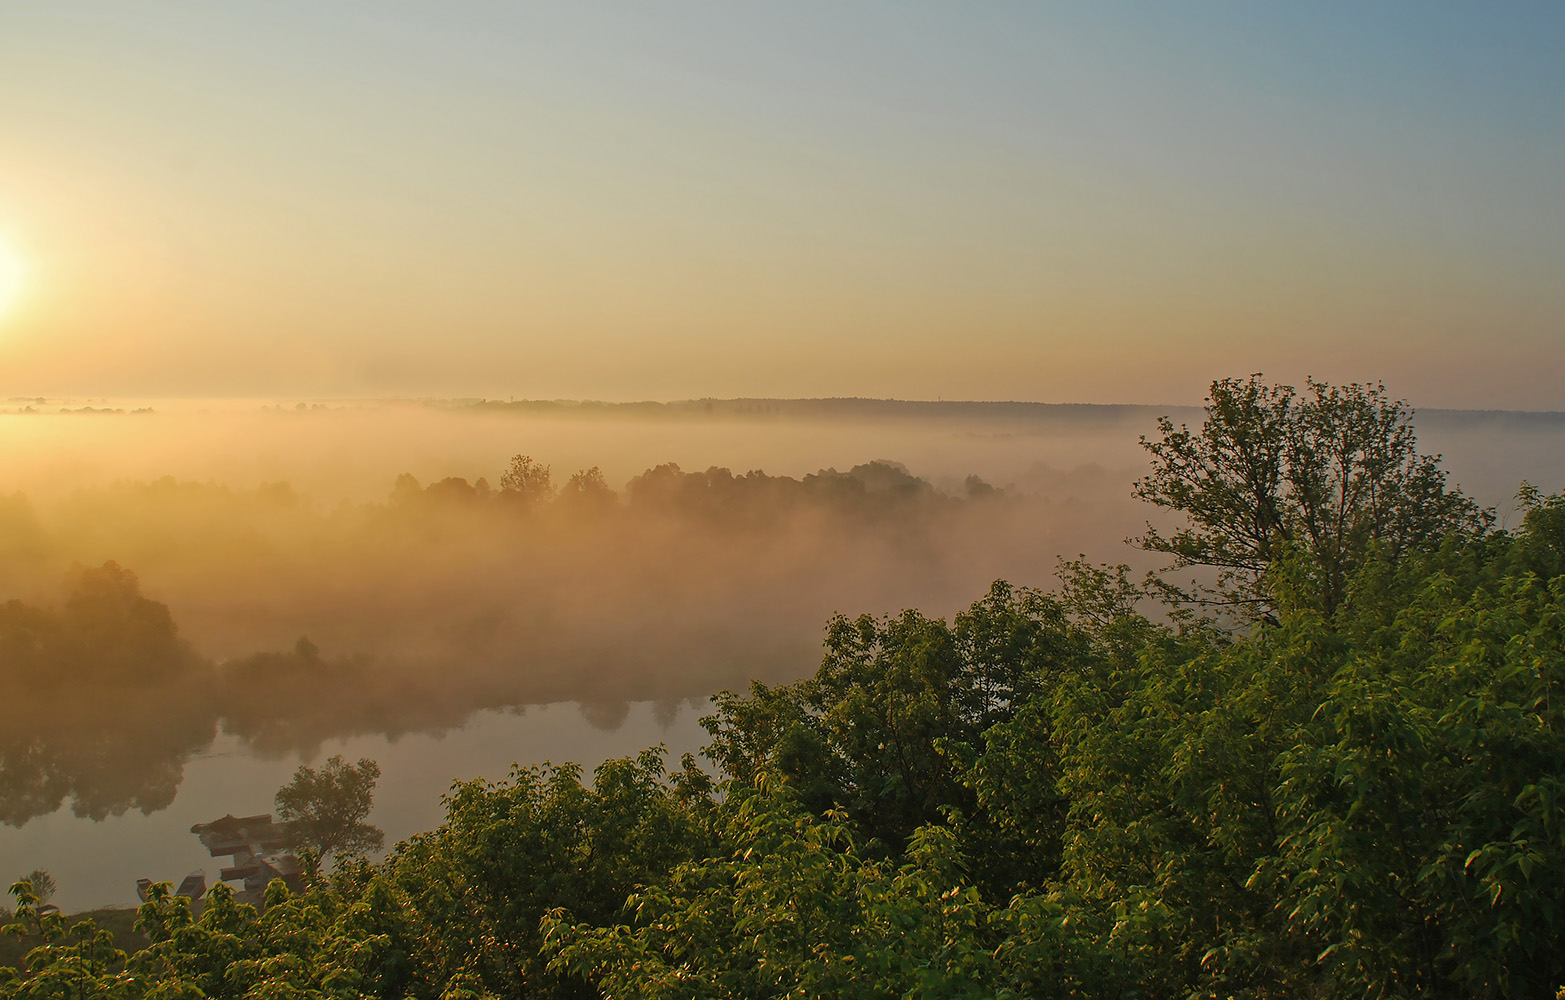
x=10 y=277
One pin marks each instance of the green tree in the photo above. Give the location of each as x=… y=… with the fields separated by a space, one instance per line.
x=324 y=809
x=1542 y=537
x=792 y=905
x=68 y=960
x=42 y=883
x=510 y=851
x=1334 y=472
x=348 y=941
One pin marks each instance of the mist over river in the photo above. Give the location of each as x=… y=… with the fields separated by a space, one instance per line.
x=356 y=578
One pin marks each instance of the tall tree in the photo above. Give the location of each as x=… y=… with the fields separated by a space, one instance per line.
x=324 y=809
x=1331 y=473
x=526 y=482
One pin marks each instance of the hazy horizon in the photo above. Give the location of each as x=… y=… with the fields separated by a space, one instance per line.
x=1097 y=203
x=433 y=616
x=809 y=309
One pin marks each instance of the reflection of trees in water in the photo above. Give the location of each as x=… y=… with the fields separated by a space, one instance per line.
x=104 y=702
x=442 y=602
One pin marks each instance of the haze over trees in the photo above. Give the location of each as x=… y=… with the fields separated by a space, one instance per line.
x=1355 y=793
x=444 y=600
x=104 y=701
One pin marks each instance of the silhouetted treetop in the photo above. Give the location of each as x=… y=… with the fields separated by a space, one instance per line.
x=526 y=482
x=1332 y=473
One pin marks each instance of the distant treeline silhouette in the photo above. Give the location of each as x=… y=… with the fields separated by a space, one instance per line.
x=872 y=490
x=833 y=408
x=413 y=613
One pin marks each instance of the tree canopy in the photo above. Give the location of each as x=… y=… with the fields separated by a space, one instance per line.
x=526 y=482
x=1333 y=473
x=324 y=809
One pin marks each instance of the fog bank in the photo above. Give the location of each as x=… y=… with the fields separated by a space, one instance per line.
x=291 y=575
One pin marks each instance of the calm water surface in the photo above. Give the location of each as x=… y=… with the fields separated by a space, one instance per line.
x=97 y=864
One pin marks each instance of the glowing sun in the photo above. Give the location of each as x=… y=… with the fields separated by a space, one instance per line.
x=10 y=277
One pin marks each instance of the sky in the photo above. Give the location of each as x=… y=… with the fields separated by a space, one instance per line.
x=1103 y=202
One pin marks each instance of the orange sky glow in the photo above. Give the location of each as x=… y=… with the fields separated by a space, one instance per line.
x=1101 y=205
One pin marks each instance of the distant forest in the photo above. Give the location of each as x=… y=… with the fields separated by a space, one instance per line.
x=1320 y=754
x=838 y=408
x=441 y=601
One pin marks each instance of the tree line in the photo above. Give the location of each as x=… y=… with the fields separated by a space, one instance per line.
x=871 y=491
x=108 y=699
x=1327 y=766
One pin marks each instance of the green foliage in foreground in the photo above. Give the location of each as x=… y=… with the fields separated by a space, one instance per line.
x=118 y=921
x=1045 y=797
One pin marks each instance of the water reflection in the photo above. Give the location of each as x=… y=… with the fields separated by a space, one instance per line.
x=104 y=702
x=97 y=863
x=451 y=599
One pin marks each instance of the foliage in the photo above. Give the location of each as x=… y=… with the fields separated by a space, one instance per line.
x=1541 y=544
x=526 y=482
x=119 y=922
x=66 y=960
x=41 y=883
x=1332 y=473
x=588 y=492
x=795 y=908
x=324 y=809
x=1362 y=794
x=511 y=851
